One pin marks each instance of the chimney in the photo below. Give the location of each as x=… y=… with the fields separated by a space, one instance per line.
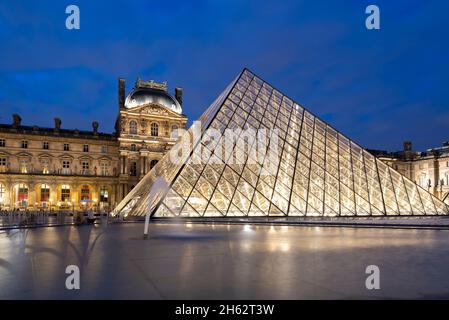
x=178 y=95
x=121 y=93
x=407 y=146
x=95 y=127
x=57 y=124
x=16 y=120
x=408 y=152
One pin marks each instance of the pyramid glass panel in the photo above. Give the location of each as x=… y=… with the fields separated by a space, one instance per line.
x=258 y=153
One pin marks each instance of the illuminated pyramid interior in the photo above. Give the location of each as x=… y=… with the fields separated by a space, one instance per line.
x=317 y=172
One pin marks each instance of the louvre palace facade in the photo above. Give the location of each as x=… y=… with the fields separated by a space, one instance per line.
x=60 y=169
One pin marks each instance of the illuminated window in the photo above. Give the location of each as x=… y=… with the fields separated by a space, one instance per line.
x=24 y=166
x=154 y=129
x=104 y=195
x=45 y=193
x=65 y=193
x=133 y=127
x=3 y=164
x=45 y=166
x=22 y=194
x=85 y=192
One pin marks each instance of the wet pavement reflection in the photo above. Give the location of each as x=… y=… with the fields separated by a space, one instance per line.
x=206 y=261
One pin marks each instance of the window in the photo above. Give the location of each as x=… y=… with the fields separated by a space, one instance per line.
x=152 y=163
x=2 y=193
x=65 y=167
x=85 y=167
x=133 y=127
x=104 y=149
x=45 y=166
x=24 y=144
x=447 y=179
x=85 y=192
x=174 y=131
x=133 y=169
x=22 y=194
x=154 y=129
x=104 y=168
x=423 y=180
x=24 y=166
x=86 y=148
x=65 y=193
x=2 y=143
x=3 y=164
x=45 y=193
x=133 y=147
x=45 y=145
x=66 y=147
x=104 y=195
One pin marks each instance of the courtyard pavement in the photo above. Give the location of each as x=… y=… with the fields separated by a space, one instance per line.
x=212 y=261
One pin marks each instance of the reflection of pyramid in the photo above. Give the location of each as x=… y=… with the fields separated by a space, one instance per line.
x=317 y=170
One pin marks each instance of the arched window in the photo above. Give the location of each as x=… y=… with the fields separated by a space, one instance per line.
x=22 y=194
x=45 y=192
x=133 y=127
x=133 y=147
x=152 y=164
x=154 y=129
x=65 y=193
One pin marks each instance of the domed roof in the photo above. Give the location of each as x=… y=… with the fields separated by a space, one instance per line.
x=150 y=92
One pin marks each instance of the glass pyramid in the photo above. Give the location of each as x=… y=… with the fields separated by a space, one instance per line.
x=315 y=171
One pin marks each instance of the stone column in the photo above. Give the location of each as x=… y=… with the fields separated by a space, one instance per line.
x=125 y=167
x=12 y=196
x=112 y=195
x=32 y=194
x=143 y=160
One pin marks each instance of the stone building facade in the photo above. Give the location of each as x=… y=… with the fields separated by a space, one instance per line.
x=61 y=169
x=429 y=169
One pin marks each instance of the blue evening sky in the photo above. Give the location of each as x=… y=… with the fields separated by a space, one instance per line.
x=377 y=87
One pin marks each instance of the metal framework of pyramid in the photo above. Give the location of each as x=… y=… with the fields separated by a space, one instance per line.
x=318 y=171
